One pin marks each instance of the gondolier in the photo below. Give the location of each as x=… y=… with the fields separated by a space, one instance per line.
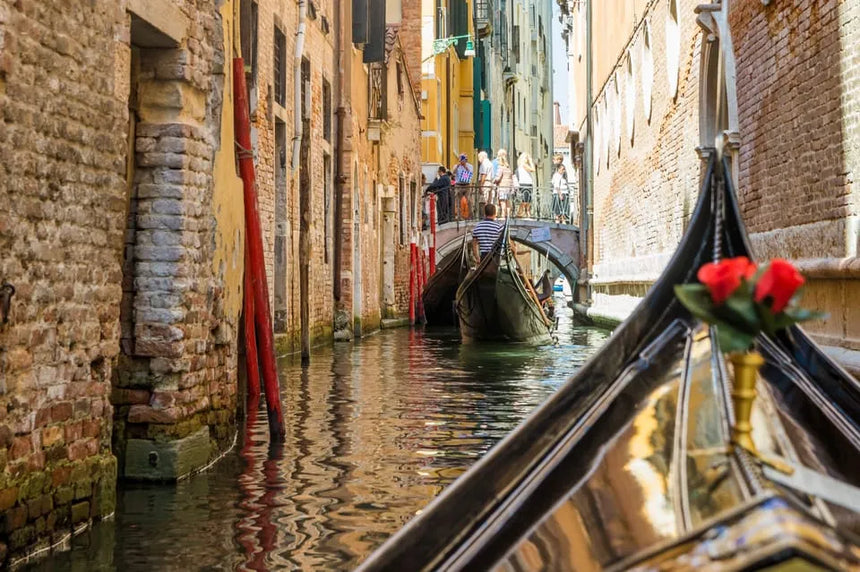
x=486 y=232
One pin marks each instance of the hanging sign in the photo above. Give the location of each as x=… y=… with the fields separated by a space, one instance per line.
x=539 y=234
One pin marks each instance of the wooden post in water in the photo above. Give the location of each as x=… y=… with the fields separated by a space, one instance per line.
x=432 y=234
x=252 y=361
x=254 y=238
x=412 y=271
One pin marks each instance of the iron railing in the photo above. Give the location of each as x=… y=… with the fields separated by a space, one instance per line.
x=535 y=203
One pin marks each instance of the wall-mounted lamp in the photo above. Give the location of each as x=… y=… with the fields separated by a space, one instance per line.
x=441 y=45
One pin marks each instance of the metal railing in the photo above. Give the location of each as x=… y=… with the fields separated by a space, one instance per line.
x=465 y=202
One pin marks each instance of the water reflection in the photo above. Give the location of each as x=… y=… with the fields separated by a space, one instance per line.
x=375 y=430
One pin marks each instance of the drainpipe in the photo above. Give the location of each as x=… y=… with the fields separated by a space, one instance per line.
x=587 y=208
x=297 y=84
x=343 y=153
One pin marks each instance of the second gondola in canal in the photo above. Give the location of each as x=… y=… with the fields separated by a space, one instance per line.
x=496 y=303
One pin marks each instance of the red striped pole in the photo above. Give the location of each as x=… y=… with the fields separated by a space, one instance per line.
x=421 y=282
x=432 y=234
x=412 y=271
x=254 y=237
x=252 y=363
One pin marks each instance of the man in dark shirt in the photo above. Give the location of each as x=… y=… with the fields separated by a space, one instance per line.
x=486 y=232
x=441 y=187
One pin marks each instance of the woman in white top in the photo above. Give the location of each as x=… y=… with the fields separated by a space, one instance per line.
x=559 y=195
x=485 y=181
x=504 y=182
x=525 y=178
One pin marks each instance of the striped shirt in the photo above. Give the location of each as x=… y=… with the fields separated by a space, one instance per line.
x=486 y=232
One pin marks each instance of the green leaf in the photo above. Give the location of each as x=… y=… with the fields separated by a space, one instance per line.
x=739 y=310
x=801 y=315
x=732 y=339
x=697 y=299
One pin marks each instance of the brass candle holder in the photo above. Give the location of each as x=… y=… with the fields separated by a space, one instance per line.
x=746 y=366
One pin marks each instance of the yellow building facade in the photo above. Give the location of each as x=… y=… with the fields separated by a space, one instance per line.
x=447 y=85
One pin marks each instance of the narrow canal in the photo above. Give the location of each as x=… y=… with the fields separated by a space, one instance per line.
x=375 y=431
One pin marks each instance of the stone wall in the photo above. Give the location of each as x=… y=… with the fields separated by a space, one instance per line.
x=798 y=96
x=176 y=381
x=646 y=179
x=62 y=213
x=122 y=328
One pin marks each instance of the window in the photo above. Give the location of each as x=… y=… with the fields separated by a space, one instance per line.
x=327 y=177
x=598 y=142
x=399 y=79
x=629 y=96
x=412 y=194
x=280 y=64
x=647 y=71
x=673 y=47
x=606 y=136
x=326 y=93
x=616 y=114
x=248 y=38
x=404 y=235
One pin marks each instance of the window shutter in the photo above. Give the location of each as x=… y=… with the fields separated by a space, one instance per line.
x=359 y=21
x=374 y=49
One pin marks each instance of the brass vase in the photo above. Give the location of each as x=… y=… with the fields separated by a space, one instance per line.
x=746 y=366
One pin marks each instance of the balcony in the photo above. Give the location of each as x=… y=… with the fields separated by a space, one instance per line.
x=483 y=17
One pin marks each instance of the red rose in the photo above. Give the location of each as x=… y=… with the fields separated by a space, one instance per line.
x=724 y=277
x=779 y=283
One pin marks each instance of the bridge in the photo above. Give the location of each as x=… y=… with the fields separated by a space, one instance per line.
x=558 y=242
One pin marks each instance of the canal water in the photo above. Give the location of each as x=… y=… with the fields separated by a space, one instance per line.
x=376 y=429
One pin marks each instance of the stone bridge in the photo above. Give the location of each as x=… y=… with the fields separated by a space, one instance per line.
x=558 y=242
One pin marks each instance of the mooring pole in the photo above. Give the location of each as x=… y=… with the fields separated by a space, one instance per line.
x=421 y=282
x=254 y=238
x=432 y=234
x=252 y=362
x=412 y=270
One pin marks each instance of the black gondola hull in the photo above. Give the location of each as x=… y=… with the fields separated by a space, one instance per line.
x=493 y=305
x=441 y=290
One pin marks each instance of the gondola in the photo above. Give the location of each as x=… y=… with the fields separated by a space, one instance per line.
x=441 y=288
x=629 y=464
x=495 y=303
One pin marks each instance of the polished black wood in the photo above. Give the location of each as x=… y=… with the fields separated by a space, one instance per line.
x=629 y=463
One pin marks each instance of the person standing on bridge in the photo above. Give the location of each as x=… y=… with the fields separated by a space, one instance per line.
x=486 y=189
x=526 y=180
x=560 y=208
x=462 y=179
x=441 y=187
x=504 y=183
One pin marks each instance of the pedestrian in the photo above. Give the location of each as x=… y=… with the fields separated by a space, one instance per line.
x=486 y=233
x=504 y=184
x=486 y=188
x=441 y=187
x=462 y=179
x=526 y=181
x=559 y=194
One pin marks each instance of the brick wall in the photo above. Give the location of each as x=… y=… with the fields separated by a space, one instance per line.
x=646 y=186
x=62 y=213
x=318 y=50
x=796 y=81
x=798 y=84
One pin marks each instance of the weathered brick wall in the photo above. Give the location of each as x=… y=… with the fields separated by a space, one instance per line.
x=175 y=387
x=797 y=76
x=798 y=91
x=645 y=190
x=318 y=50
x=62 y=213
